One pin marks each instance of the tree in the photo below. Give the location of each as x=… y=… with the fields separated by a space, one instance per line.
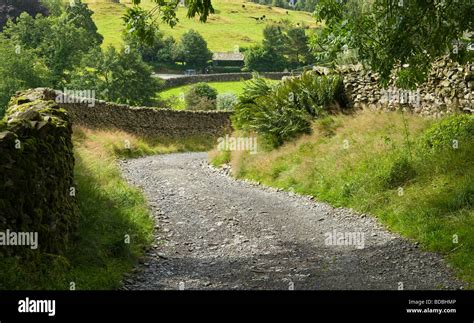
x=193 y=49
x=20 y=69
x=149 y=51
x=80 y=15
x=117 y=76
x=54 y=39
x=274 y=38
x=12 y=9
x=283 y=45
x=54 y=7
x=398 y=36
x=262 y=59
x=297 y=46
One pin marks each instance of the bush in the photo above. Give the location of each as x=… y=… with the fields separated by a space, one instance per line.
x=284 y=111
x=201 y=97
x=204 y=104
x=226 y=101
x=442 y=134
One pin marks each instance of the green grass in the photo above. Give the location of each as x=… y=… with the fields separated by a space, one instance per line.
x=438 y=187
x=231 y=25
x=177 y=93
x=108 y=208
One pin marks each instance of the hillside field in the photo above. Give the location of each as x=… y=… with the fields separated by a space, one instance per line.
x=232 y=25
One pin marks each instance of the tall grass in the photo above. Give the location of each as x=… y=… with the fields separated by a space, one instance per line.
x=364 y=162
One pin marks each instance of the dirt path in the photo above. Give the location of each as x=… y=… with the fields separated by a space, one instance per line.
x=214 y=232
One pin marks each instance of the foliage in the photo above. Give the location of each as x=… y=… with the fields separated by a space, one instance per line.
x=19 y=70
x=394 y=36
x=116 y=76
x=56 y=40
x=201 y=96
x=284 y=111
x=283 y=46
x=12 y=9
x=192 y=50
x=226 y=101
x=175 y=96
x=81 y=16
x=297 y=47
x=157 y=51
x=54 y=7
x=261 y=59
x=274 y=38
x=456 y=129
x=253 y=89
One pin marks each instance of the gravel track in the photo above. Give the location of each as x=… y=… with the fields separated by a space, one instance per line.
x=214 y=232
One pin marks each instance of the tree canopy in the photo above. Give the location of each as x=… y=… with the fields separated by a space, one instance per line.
x=389 y=35
x=12 y=9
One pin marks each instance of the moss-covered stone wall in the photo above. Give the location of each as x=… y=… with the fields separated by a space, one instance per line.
x=36 y=172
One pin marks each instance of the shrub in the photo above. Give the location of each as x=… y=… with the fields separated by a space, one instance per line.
x=284 y=111
x=199 y=96
x=253 y=89
x=204 y=104
x=442 y=134
x=226 y=101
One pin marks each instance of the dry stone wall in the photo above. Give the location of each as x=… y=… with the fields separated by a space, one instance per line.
x=142 y=121
x=36 y=174
x=448 y=89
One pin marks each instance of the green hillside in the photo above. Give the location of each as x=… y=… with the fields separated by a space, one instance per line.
x=232 y=25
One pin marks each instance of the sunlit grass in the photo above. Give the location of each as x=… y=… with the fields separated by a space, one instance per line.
x=231 y=26
x=364 y=162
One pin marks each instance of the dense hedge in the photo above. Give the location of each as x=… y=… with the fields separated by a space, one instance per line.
x=36 y=173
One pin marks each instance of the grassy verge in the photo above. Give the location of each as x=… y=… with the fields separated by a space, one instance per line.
x=375 y=163
x=110 y=212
